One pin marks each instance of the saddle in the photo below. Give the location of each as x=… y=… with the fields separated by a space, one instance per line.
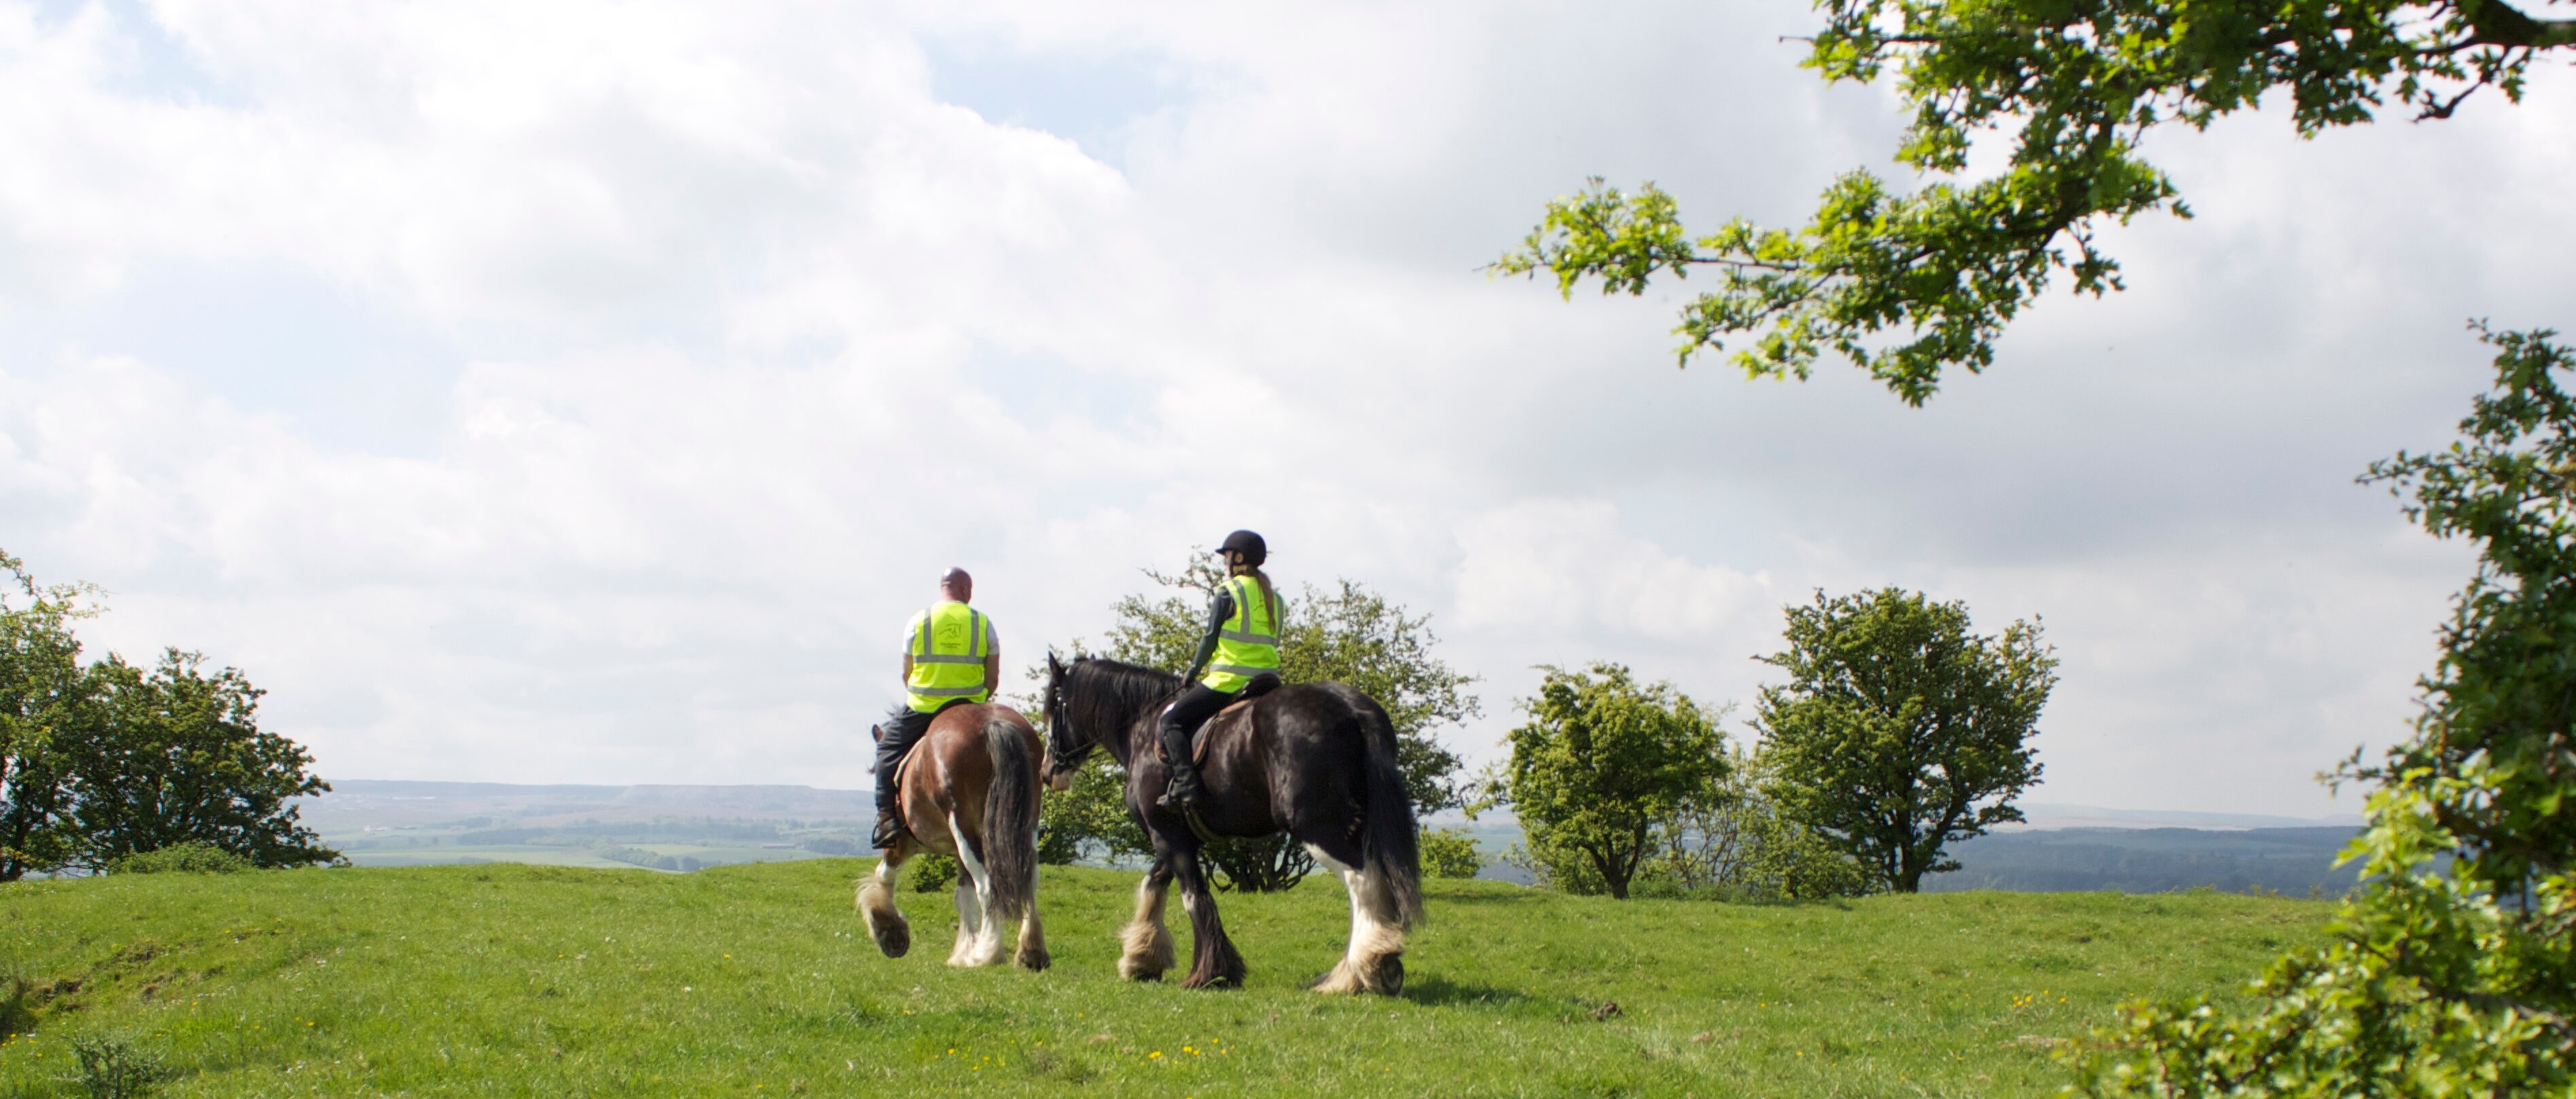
x=1260 y=685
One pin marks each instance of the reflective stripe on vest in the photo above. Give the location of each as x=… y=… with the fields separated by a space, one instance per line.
x=1247 y=642
x=948 y=652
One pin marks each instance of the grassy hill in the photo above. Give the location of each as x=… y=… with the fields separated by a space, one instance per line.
x=756 y=980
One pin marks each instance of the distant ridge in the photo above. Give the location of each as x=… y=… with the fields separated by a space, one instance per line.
x=384 y=802
x=2052 y=815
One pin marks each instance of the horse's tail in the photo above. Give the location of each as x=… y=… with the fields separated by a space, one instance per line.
x=1388 y=851
x=1011 y=818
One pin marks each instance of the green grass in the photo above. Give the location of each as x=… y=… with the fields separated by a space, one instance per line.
x=757 y=980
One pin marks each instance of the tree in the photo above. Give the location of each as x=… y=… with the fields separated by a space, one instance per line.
x=1906 y=284
x=46 y=719
x=1899 y=731
x=2442 y=978
x=1346 y=633
x=186 y=762
x=1601 y=765
x=102 y=762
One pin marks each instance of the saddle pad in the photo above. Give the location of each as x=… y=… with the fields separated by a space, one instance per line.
x=1199 y=739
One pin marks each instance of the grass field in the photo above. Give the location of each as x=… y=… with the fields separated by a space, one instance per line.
x=756 y=980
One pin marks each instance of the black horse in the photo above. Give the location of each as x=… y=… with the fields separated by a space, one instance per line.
x=1316 y=760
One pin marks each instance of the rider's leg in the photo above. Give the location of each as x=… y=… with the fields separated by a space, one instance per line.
x=895 y=737
x=1197 y=704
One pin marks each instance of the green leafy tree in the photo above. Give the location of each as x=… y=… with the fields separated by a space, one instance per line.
x=1906 y=283
x=1345 y=633
x=1899 y=731
x=47 y=719
x=1602 y=765
x=184 y=761
x=2446 y=976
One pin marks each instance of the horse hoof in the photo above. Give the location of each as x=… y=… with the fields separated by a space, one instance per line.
x=896 y=941
x=1390 y=977
x=1035 y=961
x=1219 y=981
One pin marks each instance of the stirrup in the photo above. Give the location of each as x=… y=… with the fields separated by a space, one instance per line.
x=1181 y=793
x=889 y=832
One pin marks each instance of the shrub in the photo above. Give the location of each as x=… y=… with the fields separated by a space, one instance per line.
x=110 y=1067
x=1450 y=853
x=932 y=873
x=183 y=858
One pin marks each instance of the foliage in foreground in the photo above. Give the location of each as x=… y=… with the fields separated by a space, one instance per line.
x=1899 y=731
x=105 y=761
x=2457 y=980
x=757 y=980
x=1346 y=633
x=1907 y=283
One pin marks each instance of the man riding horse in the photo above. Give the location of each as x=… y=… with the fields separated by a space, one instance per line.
x=1241 y=645
x=951 y=655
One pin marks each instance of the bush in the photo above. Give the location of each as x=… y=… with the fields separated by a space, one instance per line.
x=1450 y=853
x=183 y=858
x=110 y=1067
x=932 y=873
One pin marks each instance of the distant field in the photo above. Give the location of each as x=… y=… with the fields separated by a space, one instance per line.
x=709 y=854
x=756 y=980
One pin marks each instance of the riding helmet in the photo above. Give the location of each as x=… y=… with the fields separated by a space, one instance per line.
x=1248 y=544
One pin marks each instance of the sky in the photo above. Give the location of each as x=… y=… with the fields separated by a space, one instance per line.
x=578 y=392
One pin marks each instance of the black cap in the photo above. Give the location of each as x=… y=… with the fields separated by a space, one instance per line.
x=1248 y=544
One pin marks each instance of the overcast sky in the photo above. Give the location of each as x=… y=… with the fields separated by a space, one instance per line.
x=575 y=392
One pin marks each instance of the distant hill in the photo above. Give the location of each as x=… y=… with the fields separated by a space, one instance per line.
x=386 y=823
x=380 y=803
x=389 y=823
x=2293 y=861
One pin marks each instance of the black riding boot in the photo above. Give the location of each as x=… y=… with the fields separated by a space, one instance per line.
x=1181 y=719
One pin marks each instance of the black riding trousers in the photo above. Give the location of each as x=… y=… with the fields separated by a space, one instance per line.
x=1186 y=714
x=894 y=738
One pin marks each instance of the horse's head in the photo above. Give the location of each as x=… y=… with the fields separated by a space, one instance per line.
x=1065 y=749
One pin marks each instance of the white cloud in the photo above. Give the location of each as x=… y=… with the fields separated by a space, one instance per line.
x=720 y=334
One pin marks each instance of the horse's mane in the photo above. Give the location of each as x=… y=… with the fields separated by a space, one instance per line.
x=1106 y=695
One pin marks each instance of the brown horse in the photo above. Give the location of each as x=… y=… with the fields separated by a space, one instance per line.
x=968 y=790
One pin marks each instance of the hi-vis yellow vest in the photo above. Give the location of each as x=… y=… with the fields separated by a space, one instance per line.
x=1247 y=644
x=948 y=644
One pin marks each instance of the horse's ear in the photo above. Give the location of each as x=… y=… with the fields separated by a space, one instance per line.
x=1054 y=666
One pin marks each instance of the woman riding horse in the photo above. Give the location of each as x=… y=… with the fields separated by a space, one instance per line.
x=1316 y=760
x=1243 y=639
